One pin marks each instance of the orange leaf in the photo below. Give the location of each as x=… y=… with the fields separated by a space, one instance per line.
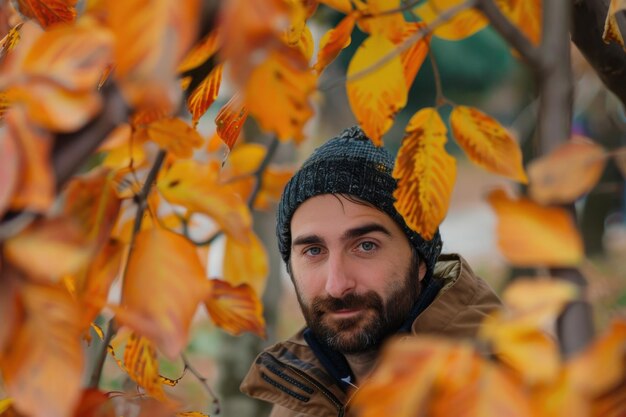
x=10 y=41
x=174 y=135
x=95 y=403
x=334 y=41
x=567 y=173
x=389 y=25
x=274 y=181
x=376 y=97
x=235 y=309
x=344 y=6
x=205 y=94
x=9 y=167
x=612 y=32
x=48 y=12
x=425 y=173
x=47 y=345
x=36 y=187
x=462 y=25
x=140 y=361
x=167 y=264
x=49 y=249
x=531 y=235
x=72 y=56
x=124 y=148
x=246 y=263
x=526 y=15
x=289 y=109
x=201 y=52
x=413 y=58
x=487 y=143
x=230 y=120
x=196 y=187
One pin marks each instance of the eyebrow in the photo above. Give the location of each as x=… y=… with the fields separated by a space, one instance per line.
x=347 y=235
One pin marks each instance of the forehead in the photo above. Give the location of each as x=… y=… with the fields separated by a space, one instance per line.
x=332 y=213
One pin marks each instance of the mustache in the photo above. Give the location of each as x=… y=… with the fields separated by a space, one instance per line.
x=351 y=301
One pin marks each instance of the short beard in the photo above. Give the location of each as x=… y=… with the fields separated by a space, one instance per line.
x=360 y=335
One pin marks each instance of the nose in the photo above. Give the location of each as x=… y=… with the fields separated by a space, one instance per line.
x=339 y=280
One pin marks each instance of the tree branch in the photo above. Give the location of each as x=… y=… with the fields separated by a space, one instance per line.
x=203 y=380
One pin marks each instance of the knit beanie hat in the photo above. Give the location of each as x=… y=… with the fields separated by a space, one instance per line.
x=349 y=164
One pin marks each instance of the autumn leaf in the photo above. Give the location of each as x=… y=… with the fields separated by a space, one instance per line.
x=9 y=167
x=612 y=32
x=377 y=96
x=413 y=58
x=460 y=26
x=527 y=15
x=425 y=173
x=46 y=345
x=567 y=173
x=487 y=143
x=5 y=404
x=230 y=120
x=10 y=41
x=140 y=361
x=235 y=309
x=49 y=249
x=380 y=21
x=246 y=263
x=274 y=181
x=95 y=403
x=177 y=285
x=532 y=235
x=191 y=414
x=196 y=187
x=201 y=52
x=48 y=12
x=289 y=108
x=175 y=136
x=205 y=94
x=334 y=41
x=124 y=148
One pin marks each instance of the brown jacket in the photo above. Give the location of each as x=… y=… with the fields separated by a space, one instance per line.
x=289 y=375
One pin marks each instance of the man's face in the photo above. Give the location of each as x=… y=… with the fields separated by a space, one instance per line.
x=353 y=270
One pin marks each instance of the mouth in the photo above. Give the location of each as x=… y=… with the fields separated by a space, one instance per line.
x=345 y=313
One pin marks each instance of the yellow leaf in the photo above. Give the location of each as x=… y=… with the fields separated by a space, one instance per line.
x=246 y=263
x=413 y=58
x=48 y=12
x=140 y=361
x=5 y=403
x=47 y=345
x=377 y=96
x=612 y=32
x=425 y=173
x=567 y=173
x=49 y=249
x=201 y=52
x=168 y=265
x=175 y=136
x=196 y=187
x=462 y=25
x=191 y=414
x=124 y=148
x=389 y=25
x=290 y=85
x=540 y=297
x=487 y=143
x=334 y=41
x=527 y=15
x=230 y=120
x=274 y=181
x=533 y=235
x=205 y=94
x=344 y=6
x=10 y=41
x=235 y=309
x=306 y=44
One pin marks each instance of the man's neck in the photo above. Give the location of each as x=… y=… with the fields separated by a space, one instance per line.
x=362 y=364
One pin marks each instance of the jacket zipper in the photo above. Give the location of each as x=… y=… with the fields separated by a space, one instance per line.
x=331 y=397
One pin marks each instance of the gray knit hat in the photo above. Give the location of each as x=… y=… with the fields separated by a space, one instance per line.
x=349 y=164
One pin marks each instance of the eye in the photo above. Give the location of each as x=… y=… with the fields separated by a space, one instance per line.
x=313 y=251
x=367 y=246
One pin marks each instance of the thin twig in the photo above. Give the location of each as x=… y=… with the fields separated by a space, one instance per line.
x=203 y=380
x=94 y=380
x=440 y=99
x=416 y=37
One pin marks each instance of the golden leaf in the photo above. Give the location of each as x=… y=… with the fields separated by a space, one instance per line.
x=45 y=346
x=74 y=56
x=140 y=361
x=527 y=15
x=487 y=143
x=124 y=148
x=274 y=181
x=201 y=52
x=289 y=108
x=235 y=309
x=191 y=414
x=174 y=135
x=246 y=263
x=48 y=12
x=306 y=44
x=196 y=187
x=344 y=6
x=533 y=235
x=567 y=173
x=205 y=94
x=460 y=26
x=230 y=120
x=5 y=403
x=413 y=58
x=334 y=41
x=425 y=173
x=168 y=265
x=10 y=41
x=389 y=25
x=377 y=96
x=612 y=32
x=9 y=167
